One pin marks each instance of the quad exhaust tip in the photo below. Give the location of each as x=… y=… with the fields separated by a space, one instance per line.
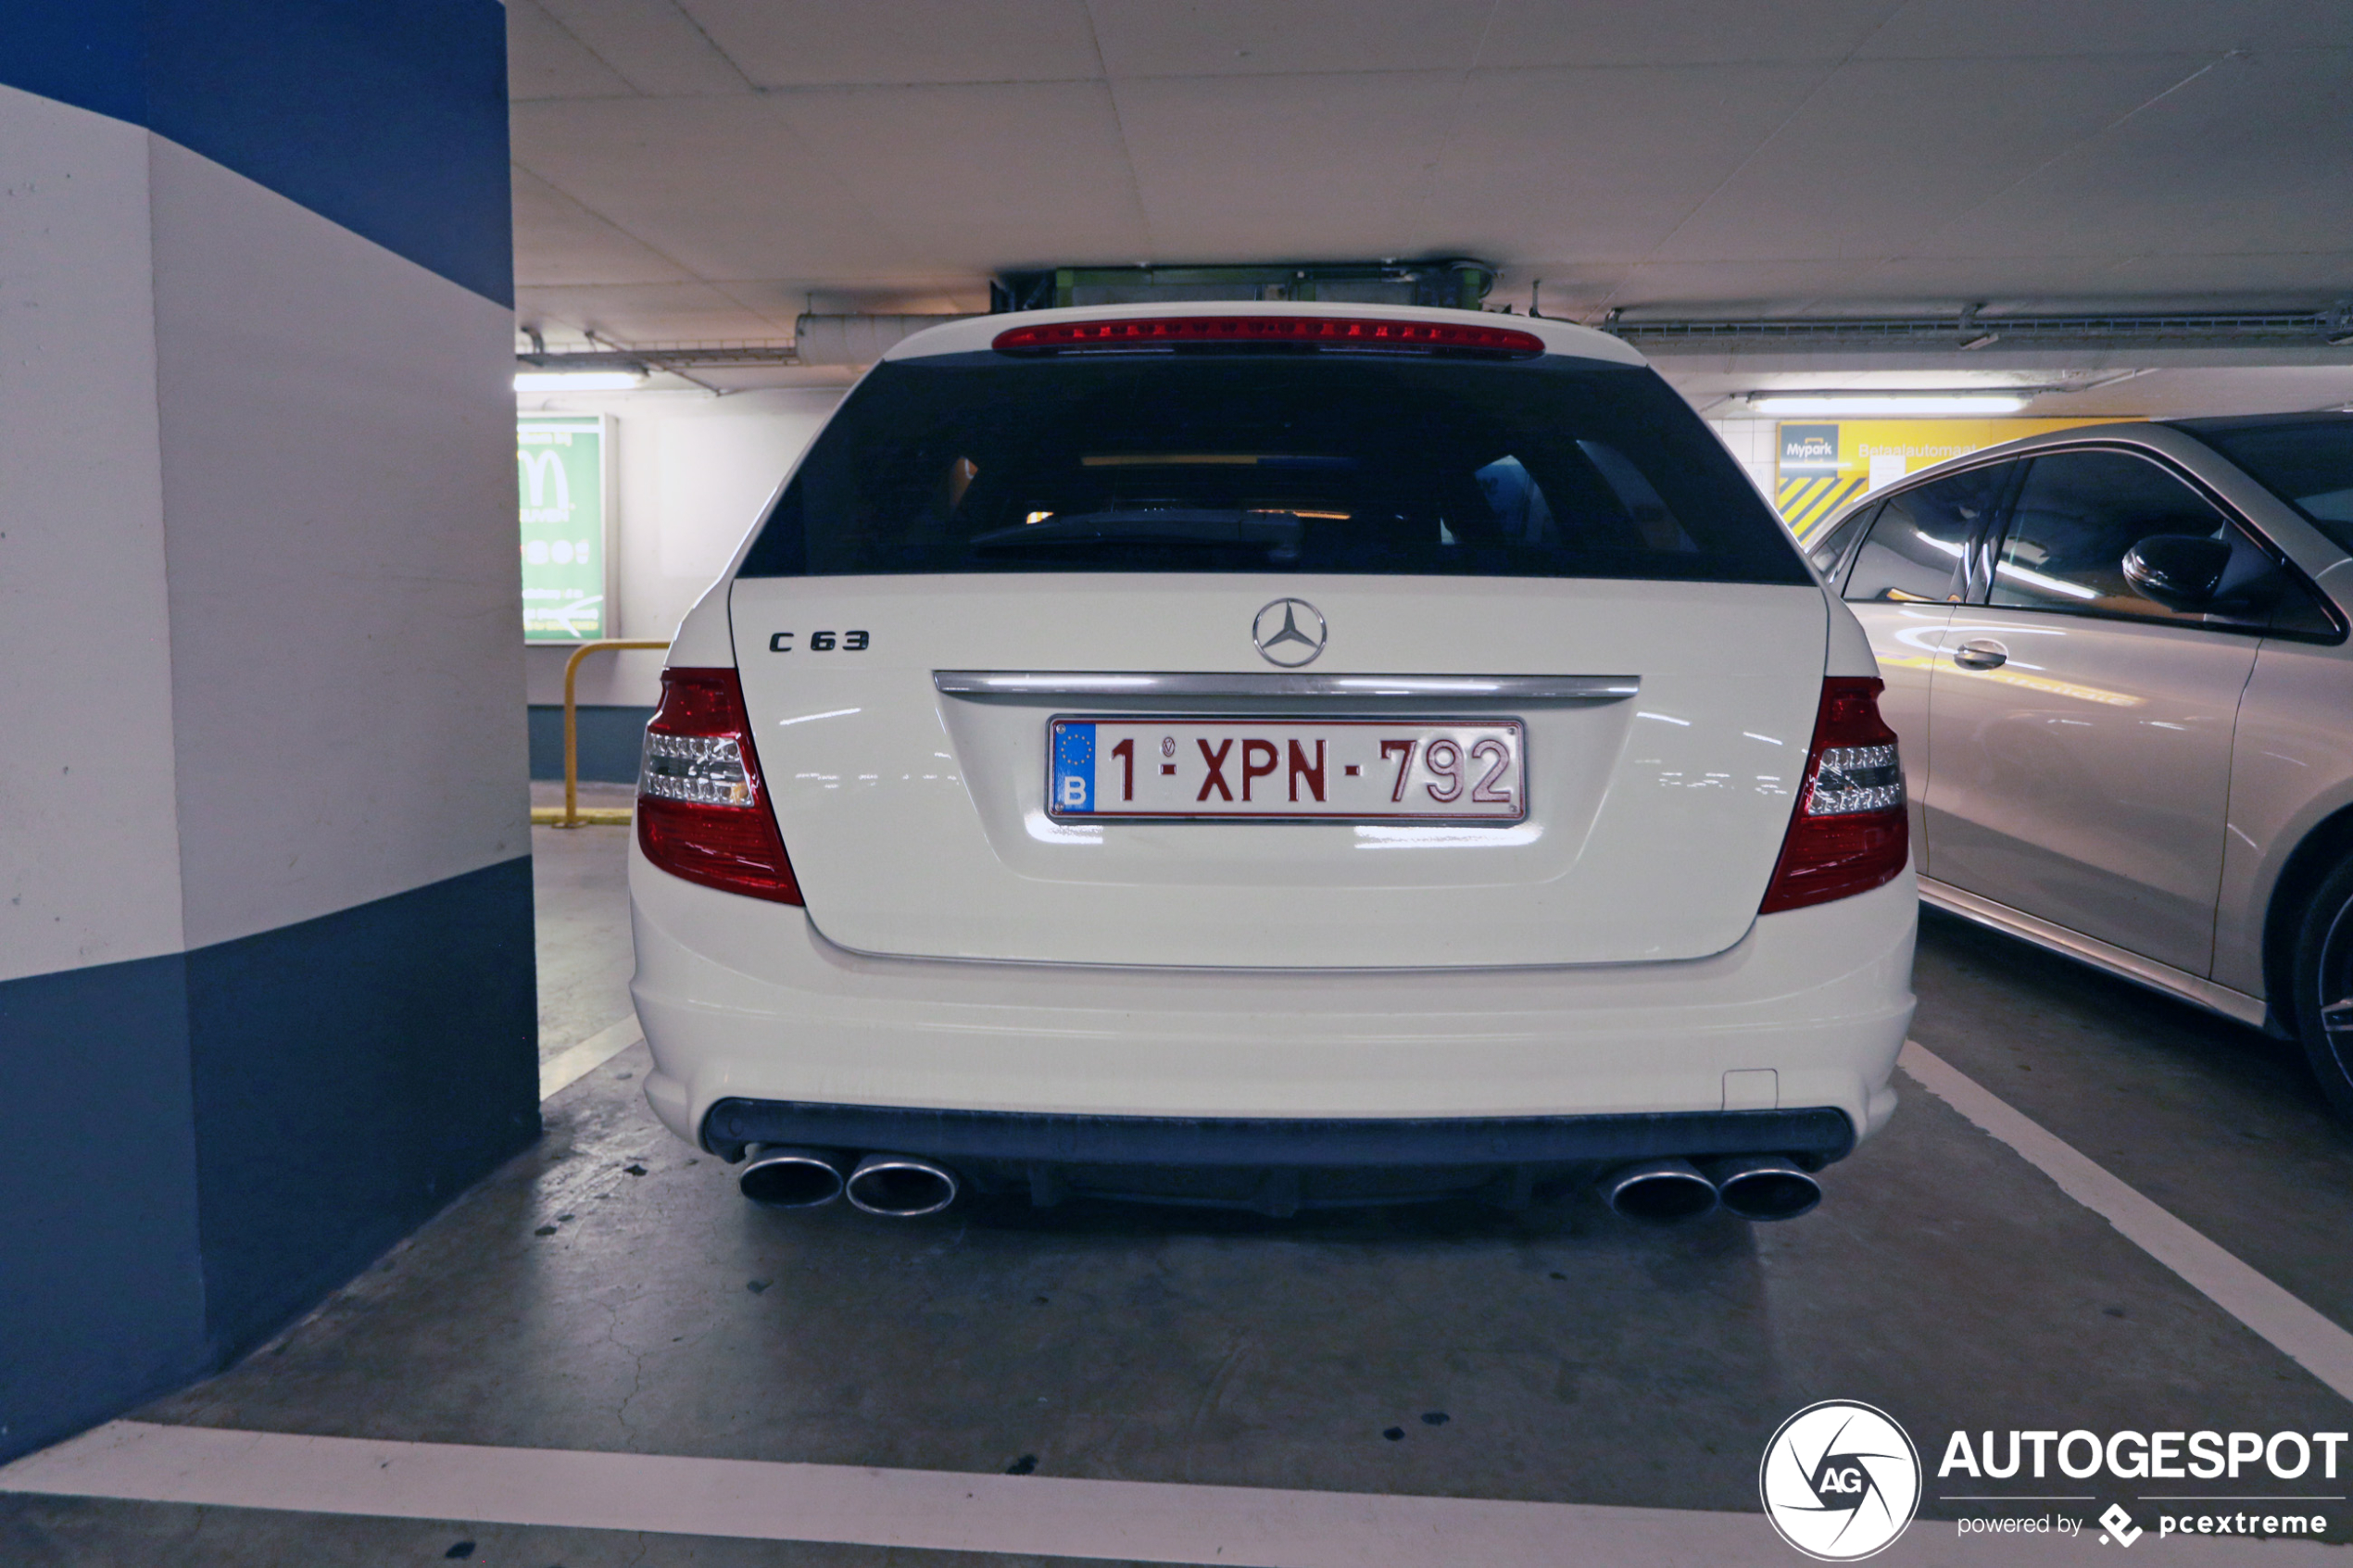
x=1659 y=1192
x=1762 y=1187
x=901 y=1186
x=781 y=1176
x=1747 y=1187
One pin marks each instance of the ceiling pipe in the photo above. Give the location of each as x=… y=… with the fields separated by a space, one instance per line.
x=1970 y=330
x=673 y=358
x=819 y=340
x=856 y=340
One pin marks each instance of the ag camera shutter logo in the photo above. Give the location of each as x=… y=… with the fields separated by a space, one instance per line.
x=1841 y=1481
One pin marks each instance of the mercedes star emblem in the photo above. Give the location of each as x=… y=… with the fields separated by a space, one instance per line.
x=1289 y=632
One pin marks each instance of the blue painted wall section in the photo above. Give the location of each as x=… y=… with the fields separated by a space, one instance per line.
x=388 y=118
x=611 y=742
x=351 y=1075
x=196 y=1148
x=101 y=1267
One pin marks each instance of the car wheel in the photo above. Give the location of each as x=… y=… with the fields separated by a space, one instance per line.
x=2322 y=1001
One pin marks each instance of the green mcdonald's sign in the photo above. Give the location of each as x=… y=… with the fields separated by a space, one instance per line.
x=561 y=464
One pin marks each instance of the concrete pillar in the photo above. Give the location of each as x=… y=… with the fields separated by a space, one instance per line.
x=266 y=987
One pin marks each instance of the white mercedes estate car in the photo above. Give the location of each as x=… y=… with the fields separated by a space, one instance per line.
x=1274 y=756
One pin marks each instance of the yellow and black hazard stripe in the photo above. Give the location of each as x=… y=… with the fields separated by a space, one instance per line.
x=1804 y=503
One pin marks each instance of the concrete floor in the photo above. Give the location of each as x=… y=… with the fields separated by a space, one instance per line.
x=608 y=1290
x=584 y=920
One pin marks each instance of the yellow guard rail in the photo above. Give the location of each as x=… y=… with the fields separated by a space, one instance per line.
x=572 y=816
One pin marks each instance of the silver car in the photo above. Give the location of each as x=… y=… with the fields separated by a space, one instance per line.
x=2116 y=655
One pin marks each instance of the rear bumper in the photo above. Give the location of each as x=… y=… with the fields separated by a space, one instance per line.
x=1815 y=1136
x=1276 y=1166
x=746 y=1001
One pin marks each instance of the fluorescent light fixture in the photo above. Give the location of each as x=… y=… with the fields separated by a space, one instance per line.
x=578 y=380
x=1897 y=404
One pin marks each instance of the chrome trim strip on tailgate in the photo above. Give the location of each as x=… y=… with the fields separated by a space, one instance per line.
x=1072 y=684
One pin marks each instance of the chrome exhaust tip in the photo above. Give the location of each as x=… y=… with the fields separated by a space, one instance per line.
x=900 y=1185
x=1658 y=1192
x=1762 y=1187
x=783 y=1177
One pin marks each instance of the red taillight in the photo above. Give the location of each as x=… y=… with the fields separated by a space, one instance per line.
x=702 y=812
x=1329 y=332
x=1850 y=833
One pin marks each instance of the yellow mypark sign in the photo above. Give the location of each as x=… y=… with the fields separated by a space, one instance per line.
x=1823 y=464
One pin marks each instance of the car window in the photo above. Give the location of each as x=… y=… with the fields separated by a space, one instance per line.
x=1266 y=461
x=2077 y=515
x=2308 y=463
x=1829 y=552
x=1642 y=502
x=1916 y=547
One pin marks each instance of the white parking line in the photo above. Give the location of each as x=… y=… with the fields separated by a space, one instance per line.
x=943 y=1510
x=2314 y=1342
x=575 y=1062
x=938 y=1509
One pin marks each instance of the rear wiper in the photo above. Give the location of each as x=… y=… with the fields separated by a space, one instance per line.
x=1278 y=532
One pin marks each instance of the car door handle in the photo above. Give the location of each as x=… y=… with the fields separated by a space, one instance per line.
x=1981 y=653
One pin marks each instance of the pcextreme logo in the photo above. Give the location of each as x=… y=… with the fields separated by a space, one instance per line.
x=1841 y=1481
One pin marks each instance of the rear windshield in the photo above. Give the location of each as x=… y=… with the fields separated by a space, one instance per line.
x=1261 y=462
x=2308 y=463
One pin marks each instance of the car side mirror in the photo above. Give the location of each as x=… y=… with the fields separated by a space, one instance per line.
x=2181 y=571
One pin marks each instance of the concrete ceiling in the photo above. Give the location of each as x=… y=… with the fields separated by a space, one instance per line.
x=702 y=171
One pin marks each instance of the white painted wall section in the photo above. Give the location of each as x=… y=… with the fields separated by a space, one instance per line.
x=89 y=848
x=267 y=664
x=345 y=660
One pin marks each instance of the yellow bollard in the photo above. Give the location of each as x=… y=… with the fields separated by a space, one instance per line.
x=572 y=817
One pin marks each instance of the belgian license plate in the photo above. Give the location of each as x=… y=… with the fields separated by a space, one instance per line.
x=1339 y=769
